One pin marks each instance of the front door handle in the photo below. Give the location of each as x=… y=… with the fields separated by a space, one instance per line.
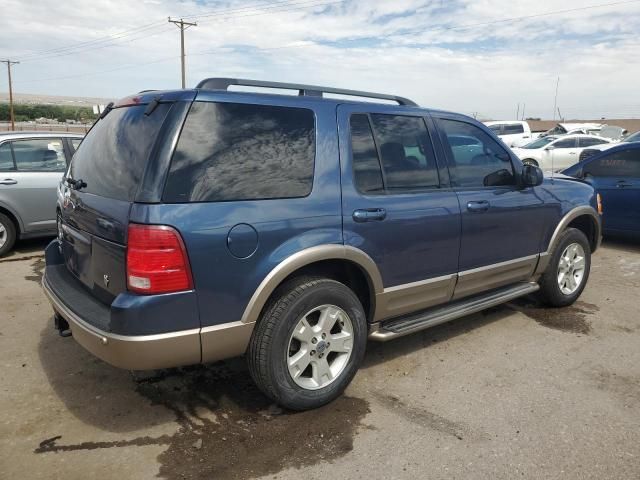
x=481 y=206
x=8 y=181
x=623 y=184
x=369 y=215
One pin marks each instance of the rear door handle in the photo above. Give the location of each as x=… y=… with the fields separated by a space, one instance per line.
x=481 y=206
x=8 y=181
x=369 y=215
x=623 y=184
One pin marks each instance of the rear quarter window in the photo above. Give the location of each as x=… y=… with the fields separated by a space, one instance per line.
x=232 y=151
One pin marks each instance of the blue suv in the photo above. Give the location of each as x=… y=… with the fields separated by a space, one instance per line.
x=198 y=225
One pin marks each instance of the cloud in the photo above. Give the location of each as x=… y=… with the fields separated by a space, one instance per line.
x=458 y=55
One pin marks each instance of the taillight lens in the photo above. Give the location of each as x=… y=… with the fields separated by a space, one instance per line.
x=157 y=260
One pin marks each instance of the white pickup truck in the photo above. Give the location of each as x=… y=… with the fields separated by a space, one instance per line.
x=514 y=133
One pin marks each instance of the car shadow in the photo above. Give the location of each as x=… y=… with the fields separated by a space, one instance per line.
x=27 y=249
x=380 y=352
x=626 y=243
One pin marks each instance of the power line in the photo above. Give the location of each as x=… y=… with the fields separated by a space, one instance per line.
x=431 y=28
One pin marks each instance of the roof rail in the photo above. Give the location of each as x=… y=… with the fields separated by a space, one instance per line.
x=303 y=90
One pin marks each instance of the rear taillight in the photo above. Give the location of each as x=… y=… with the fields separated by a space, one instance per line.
x=157 y=260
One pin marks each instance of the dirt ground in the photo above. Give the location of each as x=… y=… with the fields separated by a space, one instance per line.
x=514 y=392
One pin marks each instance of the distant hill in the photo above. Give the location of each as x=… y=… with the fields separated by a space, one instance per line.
x=34 y=99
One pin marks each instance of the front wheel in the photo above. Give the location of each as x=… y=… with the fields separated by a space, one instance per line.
x=308 y=345
x=568 y=270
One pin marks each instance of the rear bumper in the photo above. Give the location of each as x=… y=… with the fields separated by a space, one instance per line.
x=133 y=352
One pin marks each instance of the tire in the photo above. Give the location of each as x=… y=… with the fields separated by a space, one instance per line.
x=530 y=161
x=274 y=346
x=7 y=234
x=556 y=287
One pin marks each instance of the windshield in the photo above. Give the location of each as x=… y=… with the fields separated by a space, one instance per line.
x=539 y=143
x=633 y=138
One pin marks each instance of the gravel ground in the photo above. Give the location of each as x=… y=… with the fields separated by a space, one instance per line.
x=514 y=392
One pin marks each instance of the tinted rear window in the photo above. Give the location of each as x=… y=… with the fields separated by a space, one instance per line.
x=232 y=151
x=112 y=157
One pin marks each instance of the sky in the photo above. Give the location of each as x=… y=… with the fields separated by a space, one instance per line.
x=491 y=58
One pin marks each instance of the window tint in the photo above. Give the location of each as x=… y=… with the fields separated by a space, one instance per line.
x=495 y=128
x=625 y=163
x=39 y=155
x=366 y=167
x=230 y=151
x=6 y=158
x=565 y=143
x=484 y=163
x=513 y=129
x=114 y=154
x=406 y=155
x=588 y=142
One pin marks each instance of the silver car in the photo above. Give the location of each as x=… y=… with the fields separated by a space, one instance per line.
x=31 y=166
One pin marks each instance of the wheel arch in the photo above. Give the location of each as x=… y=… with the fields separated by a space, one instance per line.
x=13 y=217
x=346 y=264
x=584 y=218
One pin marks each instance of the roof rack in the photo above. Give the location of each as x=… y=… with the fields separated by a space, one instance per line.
x=303 y=90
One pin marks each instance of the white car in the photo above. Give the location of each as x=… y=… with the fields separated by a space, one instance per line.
x=556 y=152
x=512 y=132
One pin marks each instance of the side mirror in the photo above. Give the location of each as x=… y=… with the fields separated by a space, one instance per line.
x=531 y=176
x=550 y=147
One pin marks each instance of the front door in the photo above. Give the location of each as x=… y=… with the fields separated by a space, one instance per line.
x=502 y=223
x=563 y=154
x=616 y=176
x=397 y=206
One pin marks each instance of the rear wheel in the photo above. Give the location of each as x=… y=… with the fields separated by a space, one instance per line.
x=7 y=234
x=568 y=271
x=309 y=344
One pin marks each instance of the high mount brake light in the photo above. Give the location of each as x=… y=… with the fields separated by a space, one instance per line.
x=157 y=260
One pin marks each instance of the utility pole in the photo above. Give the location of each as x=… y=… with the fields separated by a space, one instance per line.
x=182 y=25
x=518 y=112
x=9 y=63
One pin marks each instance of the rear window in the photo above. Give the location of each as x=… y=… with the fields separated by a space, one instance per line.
x=513 y=129
x=232 y=151
x=112 y=157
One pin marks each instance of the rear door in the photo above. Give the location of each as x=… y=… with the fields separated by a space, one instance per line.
x=502 y=223
x=29 y=185
x=100 y=186
x=616 y=176
x=397 y=205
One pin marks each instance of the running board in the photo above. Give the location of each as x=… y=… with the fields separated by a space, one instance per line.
x=399 y=327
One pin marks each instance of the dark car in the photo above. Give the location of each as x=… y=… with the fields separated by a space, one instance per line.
x=198 y=225
x=615 y=175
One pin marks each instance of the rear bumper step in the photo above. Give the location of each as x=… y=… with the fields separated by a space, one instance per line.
x=132 y=352
x=399 y=327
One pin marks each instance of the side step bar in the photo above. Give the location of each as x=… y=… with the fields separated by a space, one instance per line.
x=399 y=327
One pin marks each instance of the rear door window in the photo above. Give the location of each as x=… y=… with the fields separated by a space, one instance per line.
x=233 y=151
x=112 y=157
x=625 y=163
x=589 y=142
x=512 y=129
x=39 y=155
